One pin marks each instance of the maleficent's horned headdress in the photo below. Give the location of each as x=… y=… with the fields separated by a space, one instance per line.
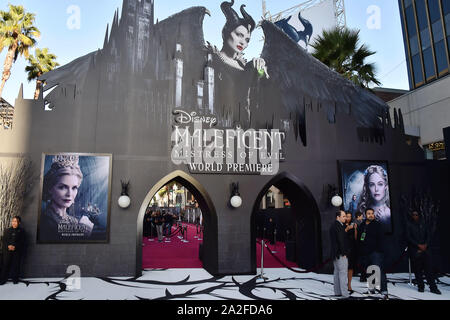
x=233 y=19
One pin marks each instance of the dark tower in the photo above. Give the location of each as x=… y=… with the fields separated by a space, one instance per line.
x=136 y=23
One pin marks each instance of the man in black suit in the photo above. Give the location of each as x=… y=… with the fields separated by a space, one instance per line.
x=371 y=247
x=419 y=238
x=339 y=252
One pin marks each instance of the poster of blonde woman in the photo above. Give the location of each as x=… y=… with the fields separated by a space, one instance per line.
x=365 y=184
x=75 y=198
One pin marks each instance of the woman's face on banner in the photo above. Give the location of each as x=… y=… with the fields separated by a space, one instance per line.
x=239 y=39
x=65 y=191
x=377 y=187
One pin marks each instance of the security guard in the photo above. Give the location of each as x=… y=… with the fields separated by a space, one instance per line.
x=13 y=243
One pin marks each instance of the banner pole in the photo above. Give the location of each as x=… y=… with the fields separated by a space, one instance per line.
x=275 y=240
x=262 y=261
x=409 y=266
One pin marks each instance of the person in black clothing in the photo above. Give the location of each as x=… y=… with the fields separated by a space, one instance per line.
x=370 y=243
x=339 y=252
x=197 y=224
x=359 y=219
x=271 y=226
x=419 y=238
x=13 y=244
x=159 y=221
x=358 y=222
x=147 y=223
x=351 y=229
x=168 y=220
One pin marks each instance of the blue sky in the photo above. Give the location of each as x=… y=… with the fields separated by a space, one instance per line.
x=68 y=43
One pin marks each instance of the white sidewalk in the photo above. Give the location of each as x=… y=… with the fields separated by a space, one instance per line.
x=197 y=284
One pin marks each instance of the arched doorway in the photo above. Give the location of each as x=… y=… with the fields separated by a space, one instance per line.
x=306 y=229
x=210 y=241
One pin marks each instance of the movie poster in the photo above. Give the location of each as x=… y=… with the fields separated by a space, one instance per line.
x=365 y=184
x=75 y=198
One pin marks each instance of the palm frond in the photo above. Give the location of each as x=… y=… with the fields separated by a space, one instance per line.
x=340 y=49
x=43 y=61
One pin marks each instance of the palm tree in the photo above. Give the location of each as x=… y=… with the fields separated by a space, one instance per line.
x=17 y=33
x=38 y=65
x=339 y=49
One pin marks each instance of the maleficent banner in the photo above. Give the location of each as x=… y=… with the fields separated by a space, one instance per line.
x=75 y=198
x=365 y=184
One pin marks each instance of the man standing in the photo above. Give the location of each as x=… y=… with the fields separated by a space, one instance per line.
x=168 y=218
x=159 y=221
x=147 y=223
x=13 y=242
x=339 y=252
x=370 y=240
x=419 y=237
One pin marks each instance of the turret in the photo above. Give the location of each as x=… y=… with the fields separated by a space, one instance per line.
x=179 y=75
x=209 y=79
x=135 y=24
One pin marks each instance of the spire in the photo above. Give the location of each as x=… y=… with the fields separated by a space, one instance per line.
x=124 y=10
x=41 y=92
x=20 y=95
x=105 y=43
x=115 y=26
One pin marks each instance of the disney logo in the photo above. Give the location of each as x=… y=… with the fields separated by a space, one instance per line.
x=183 y=117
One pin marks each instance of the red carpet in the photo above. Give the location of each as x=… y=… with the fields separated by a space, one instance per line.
x=180 y=255
x=173 y=255
x=269 y=260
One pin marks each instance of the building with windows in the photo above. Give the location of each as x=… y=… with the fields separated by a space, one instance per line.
x=426 y=32
x=6 y=114
x=426 y=109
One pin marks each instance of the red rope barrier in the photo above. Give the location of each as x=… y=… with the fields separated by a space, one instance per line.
x=293 y=270
x=391 y=268
x=327 y=262
x=172 y=234
x=175 y=233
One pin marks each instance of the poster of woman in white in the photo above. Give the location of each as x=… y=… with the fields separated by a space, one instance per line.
x=366 y=185
x=75 y=194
